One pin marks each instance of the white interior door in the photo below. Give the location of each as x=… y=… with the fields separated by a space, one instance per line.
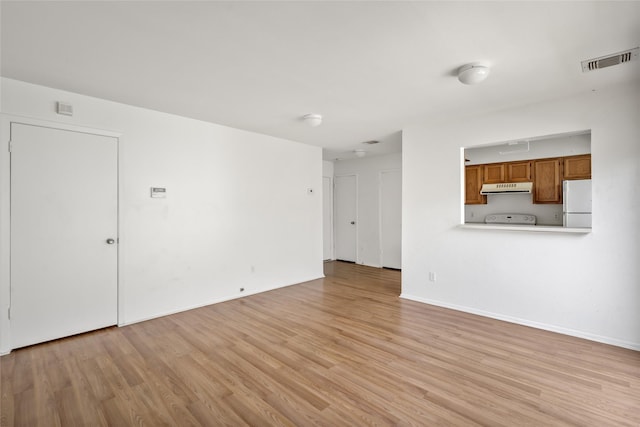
x=64 y=199
x=327 y=217
x=391 y=218
x=345 y=219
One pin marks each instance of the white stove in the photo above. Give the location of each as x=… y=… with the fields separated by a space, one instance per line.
x=519 y=219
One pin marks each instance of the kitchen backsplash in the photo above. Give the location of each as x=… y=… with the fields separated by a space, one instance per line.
x=514 y=203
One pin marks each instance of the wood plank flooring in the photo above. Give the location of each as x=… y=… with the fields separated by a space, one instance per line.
x=340 y=351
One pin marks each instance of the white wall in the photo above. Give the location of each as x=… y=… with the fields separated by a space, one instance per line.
x=327 y=168
x=368 y=171
x=583 y=285
x=327 y=210
x=237 y=212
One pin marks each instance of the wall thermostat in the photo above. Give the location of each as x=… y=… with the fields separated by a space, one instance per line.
x=158 y=192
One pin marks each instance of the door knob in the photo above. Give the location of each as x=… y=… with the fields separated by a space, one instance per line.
x=110 y=241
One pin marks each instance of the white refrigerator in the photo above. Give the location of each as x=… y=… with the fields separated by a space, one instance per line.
x=576 y=203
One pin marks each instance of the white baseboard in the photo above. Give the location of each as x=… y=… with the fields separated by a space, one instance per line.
x=211 y=302
x=544 y=326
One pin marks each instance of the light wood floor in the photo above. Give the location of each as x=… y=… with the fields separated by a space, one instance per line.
x=342 y=351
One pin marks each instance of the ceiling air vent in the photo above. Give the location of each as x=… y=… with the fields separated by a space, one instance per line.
x=609 y=60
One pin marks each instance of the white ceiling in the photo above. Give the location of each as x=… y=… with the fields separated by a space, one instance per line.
x=370 y=68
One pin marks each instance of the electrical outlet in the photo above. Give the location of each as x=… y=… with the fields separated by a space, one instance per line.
x=432 y=276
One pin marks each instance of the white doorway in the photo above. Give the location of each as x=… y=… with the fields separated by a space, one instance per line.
x=391 y=219
x=346 y=215
x=327 y=217
x=64 y=231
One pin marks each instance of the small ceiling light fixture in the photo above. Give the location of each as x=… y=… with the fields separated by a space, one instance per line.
x=312 y=119
x=471 y=74
x=360 y=152
x=515 y=147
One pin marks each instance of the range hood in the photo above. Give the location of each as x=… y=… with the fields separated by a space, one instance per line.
x=507 y=188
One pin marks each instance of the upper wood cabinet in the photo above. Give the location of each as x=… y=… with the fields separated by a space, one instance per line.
x=494 y=173
x=473 y=185
x=577 y=167
x=519 y=171
x=547 y=181
x=547 y=176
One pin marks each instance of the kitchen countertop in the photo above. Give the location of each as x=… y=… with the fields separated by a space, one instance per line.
x=515 y=227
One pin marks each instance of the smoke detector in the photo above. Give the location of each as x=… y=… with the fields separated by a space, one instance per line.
x=610 y=60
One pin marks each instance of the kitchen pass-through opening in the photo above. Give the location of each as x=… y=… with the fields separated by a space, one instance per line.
x=541 y=181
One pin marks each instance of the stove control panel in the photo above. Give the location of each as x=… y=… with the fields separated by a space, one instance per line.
x=521 y=219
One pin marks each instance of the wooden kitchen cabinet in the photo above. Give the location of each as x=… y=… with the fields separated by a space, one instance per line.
x=577 y=167
x=547 y=176
x=519 y=171
x=473 y=185
x=493 y=173
x=547 y=181
x=497 y=173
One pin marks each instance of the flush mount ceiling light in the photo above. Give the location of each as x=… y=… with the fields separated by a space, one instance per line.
x=312 y=119
x=471 y=74
x=360 y=153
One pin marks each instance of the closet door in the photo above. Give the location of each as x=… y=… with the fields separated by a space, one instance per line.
x=391 y=218
x=346 y=223
x=64 y=224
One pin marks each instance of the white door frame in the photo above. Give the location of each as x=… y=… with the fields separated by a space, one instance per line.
x=357 y=261
x=380 y=242
x=5 y=214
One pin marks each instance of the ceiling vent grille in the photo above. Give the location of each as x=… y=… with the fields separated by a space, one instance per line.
x=610 y=60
